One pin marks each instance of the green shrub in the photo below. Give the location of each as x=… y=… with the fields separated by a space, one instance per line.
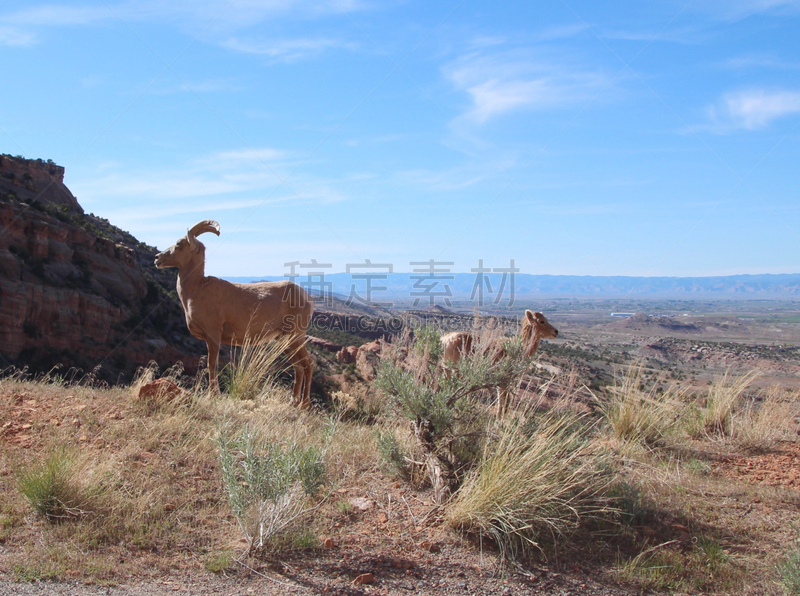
x=447 y=406
x=269 y=485
x=51 y=487
x=789 y=568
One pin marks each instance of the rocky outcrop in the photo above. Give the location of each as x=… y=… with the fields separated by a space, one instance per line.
x=367 y=360
x=35 y=180
x=75 y=290
x=347 y=355
x=323 y=344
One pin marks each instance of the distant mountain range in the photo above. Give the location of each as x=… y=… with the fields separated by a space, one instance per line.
x=402 y=287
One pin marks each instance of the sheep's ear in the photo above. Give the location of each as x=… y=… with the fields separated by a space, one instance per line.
x=207 y=225
x=538 y=315
x=193 y=244
x=529 y=314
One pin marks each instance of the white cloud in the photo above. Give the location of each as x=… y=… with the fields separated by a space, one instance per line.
x=286 y=50
x=205 y=86
x=227 y=180
x=55 y=15
x=14 y=37
x=760 y=61
x=261 y=154
x=735 y=10
x=752 y=109
x=509 y=81
x=193 y=16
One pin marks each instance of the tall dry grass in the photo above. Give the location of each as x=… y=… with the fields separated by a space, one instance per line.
x=724 y=398
x=255 y=367
x=637 y=414
x=542 y=475
x=767 y=418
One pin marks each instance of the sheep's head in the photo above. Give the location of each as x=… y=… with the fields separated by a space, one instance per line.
x=188 y=248
x=539 y=325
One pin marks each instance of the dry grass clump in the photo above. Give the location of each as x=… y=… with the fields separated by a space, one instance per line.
x=56 y=487
x=635 y=414
x=543 y=474
x=724 y=398
x=254 y=368
x=767 y=419
x=359 y=406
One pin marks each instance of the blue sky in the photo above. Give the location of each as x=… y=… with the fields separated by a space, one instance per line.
x=575 y=137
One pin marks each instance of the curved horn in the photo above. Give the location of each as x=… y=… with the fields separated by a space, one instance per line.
x=207 y=225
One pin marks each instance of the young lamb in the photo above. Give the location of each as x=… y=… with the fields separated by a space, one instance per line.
x=535 y=327
x=218 y=311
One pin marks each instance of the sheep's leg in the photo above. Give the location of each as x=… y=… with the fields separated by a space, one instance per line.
x=502 y=402
x=303 y=368
x=213 y=357
x=309 y=372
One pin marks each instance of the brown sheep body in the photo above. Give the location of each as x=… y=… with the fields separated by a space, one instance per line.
x=535 y=327
x=222 y=312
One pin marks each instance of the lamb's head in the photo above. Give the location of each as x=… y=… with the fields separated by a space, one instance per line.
x=188 y=248
x=539 y=327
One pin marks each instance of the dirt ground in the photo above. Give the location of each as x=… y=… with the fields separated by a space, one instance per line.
x=377 y=535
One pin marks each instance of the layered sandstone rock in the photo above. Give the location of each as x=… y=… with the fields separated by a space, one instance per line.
x=75 y=290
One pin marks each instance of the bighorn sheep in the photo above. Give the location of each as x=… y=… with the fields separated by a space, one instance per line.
x=534 y=328
x=218 y=311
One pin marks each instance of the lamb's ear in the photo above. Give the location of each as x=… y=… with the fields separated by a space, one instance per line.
x=529 y=314
x=201 y=227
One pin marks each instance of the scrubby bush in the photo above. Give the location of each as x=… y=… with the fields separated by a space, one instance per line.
x=542 y=474
x=270 y=486
x=789 y=568
x=447 y=405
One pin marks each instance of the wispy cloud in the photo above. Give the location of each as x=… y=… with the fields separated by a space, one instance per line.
x=734 y=10
x=507 y=81
x=223 y=181
x=680 y=35
x=14 y=37
x=751 y=110
x=287 y=50
x=47 y=15
x=204 y=86
x=760 y=61
x=21 y=27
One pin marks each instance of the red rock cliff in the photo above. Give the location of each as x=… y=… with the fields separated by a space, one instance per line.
x=75 y=290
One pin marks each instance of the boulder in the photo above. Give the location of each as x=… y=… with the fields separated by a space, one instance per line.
x=159 y=390
x=367 y=360
x=347 y=355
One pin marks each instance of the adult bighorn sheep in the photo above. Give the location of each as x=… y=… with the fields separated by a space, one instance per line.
x=218 y=311
x=534 y=328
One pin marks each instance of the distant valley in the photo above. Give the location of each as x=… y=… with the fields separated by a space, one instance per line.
x=400 y=287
